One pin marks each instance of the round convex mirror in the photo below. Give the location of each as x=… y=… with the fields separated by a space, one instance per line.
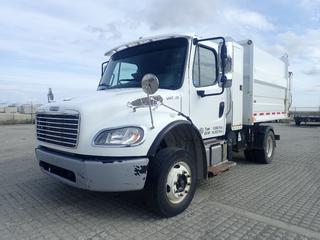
x=150 y=83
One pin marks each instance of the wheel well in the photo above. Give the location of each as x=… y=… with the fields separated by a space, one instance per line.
x=183 y=135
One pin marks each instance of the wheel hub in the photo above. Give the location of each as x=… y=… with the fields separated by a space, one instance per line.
x=269 y=148
x=178 y=182
x=181 y=183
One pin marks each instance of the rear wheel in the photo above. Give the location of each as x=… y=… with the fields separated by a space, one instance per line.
x=265 y=155
x=171 y=182
x=249 y=155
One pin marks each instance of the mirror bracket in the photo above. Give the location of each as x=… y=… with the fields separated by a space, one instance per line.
x=223 y=58
x=103 y=67
x=228 y=83
x=201 y=93
x=150 y=84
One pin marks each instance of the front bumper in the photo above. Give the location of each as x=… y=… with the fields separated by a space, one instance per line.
x=96 y=174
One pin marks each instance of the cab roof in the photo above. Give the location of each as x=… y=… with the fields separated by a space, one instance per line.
x=143 y=40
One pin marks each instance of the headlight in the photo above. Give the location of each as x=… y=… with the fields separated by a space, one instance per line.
x=126 y=136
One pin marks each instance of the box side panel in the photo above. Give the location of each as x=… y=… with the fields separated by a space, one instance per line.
x=270 y=84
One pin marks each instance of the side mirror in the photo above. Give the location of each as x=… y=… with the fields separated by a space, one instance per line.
x=150 y=83
x=228 y=65
x=103 y=67
x=226 y=62
x=223 y=54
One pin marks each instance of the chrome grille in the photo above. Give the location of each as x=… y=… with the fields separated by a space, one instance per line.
x=60 y=129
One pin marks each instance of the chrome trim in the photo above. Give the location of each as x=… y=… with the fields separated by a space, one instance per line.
x=62 y=123
x=58 y=132
x=57 y=127
x=52 y=140
x=57 y=118
x=119 y=145
x=45 y=133
x=50 y=135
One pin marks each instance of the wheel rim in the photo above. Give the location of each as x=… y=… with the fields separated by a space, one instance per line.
x=178 y=182
x=269 y=149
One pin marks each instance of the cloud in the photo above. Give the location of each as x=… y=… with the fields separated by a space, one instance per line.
x=249 y=19
x=206 y=16
x=304 y=50
x=61 y=44
x=109 y=31
x=303 y=44
x=313 y=71
x=313 y=89
x=303 y=47
x=32 y=85
x=180 y=13
x=54 y=44
x=309 y=4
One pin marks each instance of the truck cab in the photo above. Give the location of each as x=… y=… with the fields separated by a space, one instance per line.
x=168 y=111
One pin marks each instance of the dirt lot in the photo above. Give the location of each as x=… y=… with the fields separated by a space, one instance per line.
x=252 y=201
x=13 y=118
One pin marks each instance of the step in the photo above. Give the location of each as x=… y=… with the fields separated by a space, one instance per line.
x=215 y=170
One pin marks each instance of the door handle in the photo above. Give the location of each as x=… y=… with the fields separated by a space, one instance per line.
x=221 y=109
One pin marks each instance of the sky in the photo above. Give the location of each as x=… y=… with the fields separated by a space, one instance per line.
x=61 y=44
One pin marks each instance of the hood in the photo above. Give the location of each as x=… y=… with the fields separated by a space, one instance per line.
x=112 y=100
x=109 y=109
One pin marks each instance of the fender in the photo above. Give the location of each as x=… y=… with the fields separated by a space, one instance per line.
x=193 y=135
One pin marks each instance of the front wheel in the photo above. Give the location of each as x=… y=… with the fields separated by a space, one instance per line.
x=171 y=181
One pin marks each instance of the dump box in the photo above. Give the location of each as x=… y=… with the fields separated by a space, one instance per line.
x=266 y=85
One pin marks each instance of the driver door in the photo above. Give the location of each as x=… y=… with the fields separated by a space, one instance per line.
x=207 y=113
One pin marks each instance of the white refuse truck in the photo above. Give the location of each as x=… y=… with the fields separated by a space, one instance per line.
x=169 y=110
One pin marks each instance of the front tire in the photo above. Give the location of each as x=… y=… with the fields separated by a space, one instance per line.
x=171 y=181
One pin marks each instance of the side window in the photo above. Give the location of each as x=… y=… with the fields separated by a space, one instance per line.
x=127 y=69
x=123 y=71
x=204 y=67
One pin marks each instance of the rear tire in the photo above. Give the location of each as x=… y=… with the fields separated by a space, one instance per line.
x=249 y=155
x=265 y=155
x=171 y=181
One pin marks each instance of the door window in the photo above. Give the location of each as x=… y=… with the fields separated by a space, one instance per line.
x=204 y=67
x=123 y=73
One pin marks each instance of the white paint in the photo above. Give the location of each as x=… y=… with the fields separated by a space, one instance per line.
x=108 y=109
